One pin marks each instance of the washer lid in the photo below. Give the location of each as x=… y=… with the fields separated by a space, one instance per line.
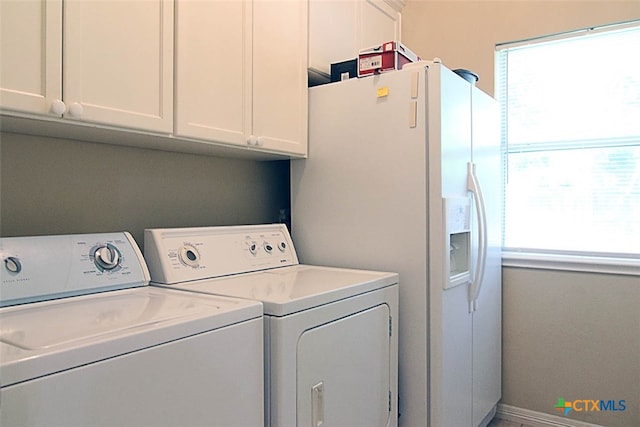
x=291 y=289
x=46 y=337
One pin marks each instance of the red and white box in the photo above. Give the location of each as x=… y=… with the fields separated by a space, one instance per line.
x=385 y=57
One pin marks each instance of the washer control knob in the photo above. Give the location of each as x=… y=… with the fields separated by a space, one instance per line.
x=267 y=247
x=106 y=257
x=253 y=248
x=13 y=264
x=282 y=246
x=189 y=256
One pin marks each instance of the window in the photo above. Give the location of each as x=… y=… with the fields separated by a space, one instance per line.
x=571 y=129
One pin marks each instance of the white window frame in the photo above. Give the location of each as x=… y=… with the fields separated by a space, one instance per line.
x=560 y=260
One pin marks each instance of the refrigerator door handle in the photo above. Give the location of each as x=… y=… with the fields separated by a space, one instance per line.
x=473 y=185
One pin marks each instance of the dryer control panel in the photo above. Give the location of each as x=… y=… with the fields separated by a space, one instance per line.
x=178 y=255
x=39 y=268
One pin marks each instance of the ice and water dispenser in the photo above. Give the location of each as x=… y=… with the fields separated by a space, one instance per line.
x=457 y=212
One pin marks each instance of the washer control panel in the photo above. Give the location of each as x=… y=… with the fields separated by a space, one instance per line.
x=47 y=267
x=183 y=254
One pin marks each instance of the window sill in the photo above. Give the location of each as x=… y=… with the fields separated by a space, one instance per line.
x=564 y=262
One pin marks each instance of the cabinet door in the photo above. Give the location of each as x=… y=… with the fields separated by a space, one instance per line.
x=118 y=63
x=213 y=70
x=279 y=108
x=339 y=29
x=380 y=23
x=332 y=33
x=31 y=45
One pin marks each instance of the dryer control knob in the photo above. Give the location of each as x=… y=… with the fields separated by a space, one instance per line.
x=253 y=248
x=189 y=256
x=282 y=246
x=106 y=257
x=13 y=264
x=267 y=247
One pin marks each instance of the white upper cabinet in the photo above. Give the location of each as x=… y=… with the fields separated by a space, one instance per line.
x=114 y=65
x=241 y=73
x=103 y=71
x=380 y=22
x=31 y=64
x=279 y=83
x=338 y=29
x=118 y=63
x=213 y=70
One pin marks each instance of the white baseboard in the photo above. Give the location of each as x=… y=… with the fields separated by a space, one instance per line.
x=537 y=419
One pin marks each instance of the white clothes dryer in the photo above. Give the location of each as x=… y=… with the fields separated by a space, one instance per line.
x=330 y=334
x=84 y=341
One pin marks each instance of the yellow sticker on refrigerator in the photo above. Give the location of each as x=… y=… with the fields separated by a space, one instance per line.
x=382 y=91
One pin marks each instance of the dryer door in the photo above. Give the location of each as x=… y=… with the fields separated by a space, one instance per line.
x=343 y=371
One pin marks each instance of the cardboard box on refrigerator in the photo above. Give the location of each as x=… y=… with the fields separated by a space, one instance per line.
x=385 y=57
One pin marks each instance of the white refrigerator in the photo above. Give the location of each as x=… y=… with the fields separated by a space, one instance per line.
x=404 y=175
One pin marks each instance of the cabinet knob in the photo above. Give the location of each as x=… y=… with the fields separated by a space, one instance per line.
x=255 y=141
x=58 y=107
x=75 y=109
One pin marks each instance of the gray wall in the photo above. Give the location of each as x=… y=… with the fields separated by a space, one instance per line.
x=571 y=335
x=56 y=186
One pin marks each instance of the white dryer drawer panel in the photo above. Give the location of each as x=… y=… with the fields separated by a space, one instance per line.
x=343 y=371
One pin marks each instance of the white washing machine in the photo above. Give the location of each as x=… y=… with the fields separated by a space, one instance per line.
x=330 y=334
x=84 y=341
